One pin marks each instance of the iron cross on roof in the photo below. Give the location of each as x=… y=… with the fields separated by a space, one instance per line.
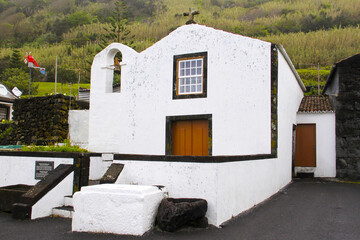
x=191 y=15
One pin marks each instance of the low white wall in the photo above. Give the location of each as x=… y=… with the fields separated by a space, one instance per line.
x=182 y=180
x=79 y=127
x=325 y=141
x=229 y=188
x=21 y=170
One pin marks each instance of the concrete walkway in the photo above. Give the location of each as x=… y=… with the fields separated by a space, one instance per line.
x=306 y=209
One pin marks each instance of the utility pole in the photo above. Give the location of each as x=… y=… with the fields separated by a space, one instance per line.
x=79 y=82
x=30 y=82
x=70 y=96
x=55 y=74
x=318 y=78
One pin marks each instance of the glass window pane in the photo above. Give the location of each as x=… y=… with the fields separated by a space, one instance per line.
x=181 y=64
x=181 y=81
x=187 y=72
x=187 y=80
x=199 y=71
x=198 y=79
x=182 y=89
x=193 y=88
x=193 y=63
x=181 y=72
x=193 y=71
x=199 y=62
x=187 y=64
x=199 y=88
x=187 y=89
x=193 y=80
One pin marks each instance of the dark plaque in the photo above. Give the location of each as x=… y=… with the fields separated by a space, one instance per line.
x=42 y=169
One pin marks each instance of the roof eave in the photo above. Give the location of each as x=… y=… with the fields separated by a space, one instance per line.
x=329 y=80
x=283 y=52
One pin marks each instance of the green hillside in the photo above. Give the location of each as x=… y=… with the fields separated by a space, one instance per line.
x=312 y=32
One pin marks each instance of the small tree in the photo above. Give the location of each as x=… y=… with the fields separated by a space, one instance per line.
x=15 y=60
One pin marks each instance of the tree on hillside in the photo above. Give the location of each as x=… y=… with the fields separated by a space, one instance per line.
x=4 y=63
x=118 y=30
x=16 y=60
x=15 y=77
x=29 y=7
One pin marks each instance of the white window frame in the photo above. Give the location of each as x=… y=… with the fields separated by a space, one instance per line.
x=190 y=78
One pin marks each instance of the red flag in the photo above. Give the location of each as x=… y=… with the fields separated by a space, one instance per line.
x=29 y=59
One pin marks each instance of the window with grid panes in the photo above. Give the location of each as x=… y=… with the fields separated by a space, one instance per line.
x=190 y=75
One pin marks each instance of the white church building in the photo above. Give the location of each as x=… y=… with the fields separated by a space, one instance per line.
x=206 y=113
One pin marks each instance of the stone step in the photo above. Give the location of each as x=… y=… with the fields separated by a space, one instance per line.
x=64 y=212
x=68 y=201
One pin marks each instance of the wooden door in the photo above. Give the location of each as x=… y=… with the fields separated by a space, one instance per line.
x=190 y=138
x=305 y=151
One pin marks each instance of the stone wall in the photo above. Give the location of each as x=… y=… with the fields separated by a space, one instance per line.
x=41 y=120
x=6 y=134
x=347 y=107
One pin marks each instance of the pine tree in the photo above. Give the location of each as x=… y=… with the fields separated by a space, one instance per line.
x=118 y=30
x=15 y=60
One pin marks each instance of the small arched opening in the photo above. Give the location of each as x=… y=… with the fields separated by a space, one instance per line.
x=116 y=83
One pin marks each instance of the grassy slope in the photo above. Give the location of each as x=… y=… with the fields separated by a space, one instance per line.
x=47 y=88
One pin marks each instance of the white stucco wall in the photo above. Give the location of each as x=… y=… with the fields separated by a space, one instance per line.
x=238 y=90
x=79 y=127
x=325 y=141
x=99 y=166
x=21 y=170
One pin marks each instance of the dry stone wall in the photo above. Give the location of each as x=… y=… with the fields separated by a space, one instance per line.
x=41 y=120
x=6 y=134
x=347 y=107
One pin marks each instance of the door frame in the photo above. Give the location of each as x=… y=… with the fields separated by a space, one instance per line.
x=169 y=130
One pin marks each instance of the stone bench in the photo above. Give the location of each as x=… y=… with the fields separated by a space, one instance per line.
x=116 y=208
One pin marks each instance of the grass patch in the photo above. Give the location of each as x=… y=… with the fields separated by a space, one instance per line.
x=59 y=147
x=48 y=88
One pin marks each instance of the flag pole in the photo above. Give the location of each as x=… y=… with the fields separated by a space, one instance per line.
x=30 y=82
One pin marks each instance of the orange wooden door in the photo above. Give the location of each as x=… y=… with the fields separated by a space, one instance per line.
x=305 y=151
x=190 y=138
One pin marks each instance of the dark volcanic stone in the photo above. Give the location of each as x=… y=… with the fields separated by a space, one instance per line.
x=10 y=195
x=174 y=213
x=112 y=173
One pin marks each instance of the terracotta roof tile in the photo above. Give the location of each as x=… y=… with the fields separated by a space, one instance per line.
x=315 y=104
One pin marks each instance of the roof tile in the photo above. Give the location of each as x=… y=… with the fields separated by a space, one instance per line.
x=315 y=104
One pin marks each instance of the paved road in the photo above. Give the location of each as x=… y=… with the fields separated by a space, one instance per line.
x=306 y=210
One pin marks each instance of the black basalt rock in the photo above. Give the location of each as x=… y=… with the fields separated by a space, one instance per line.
x=174 y=213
